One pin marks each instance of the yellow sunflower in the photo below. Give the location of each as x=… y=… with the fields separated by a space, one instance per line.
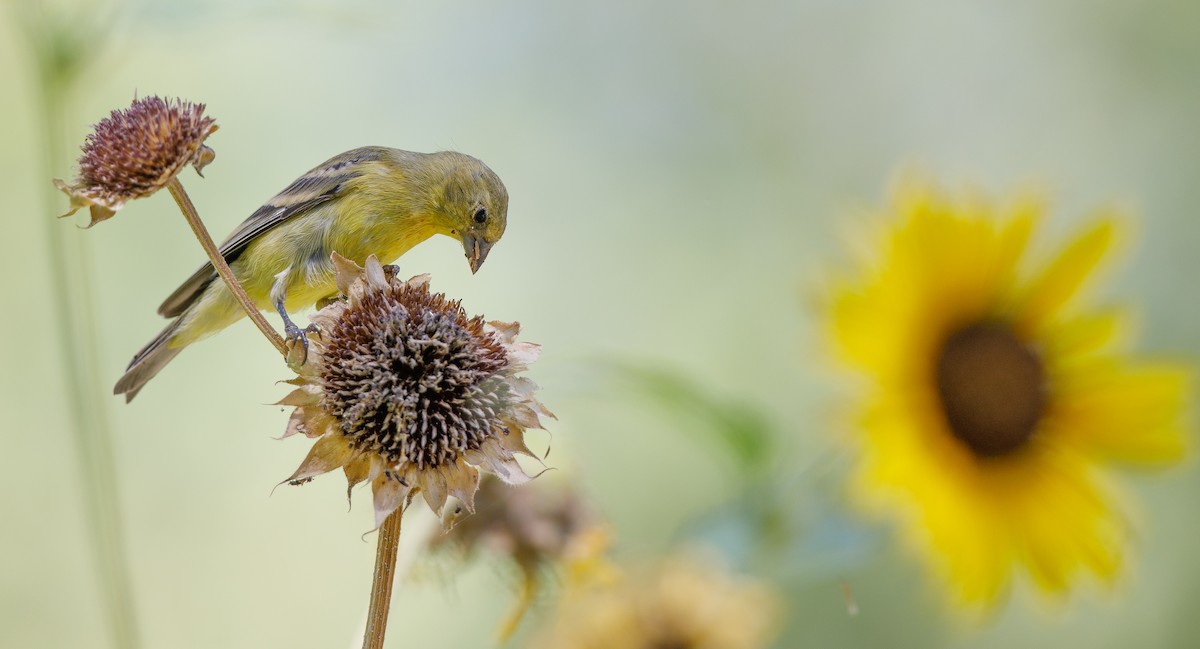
x=995 y=397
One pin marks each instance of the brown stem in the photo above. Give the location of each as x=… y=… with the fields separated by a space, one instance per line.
x=381 y=585
x=218 y=262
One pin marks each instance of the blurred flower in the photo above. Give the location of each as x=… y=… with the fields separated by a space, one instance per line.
x=538 y=526
x=400 y=388
x=685 y=603
x=535 y=525
x=996 y=397
x=133 y=153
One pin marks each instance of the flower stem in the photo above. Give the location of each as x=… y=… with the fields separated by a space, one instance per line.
x=88 y=416
x=218 y=262
x=529 y=588
x=381 y=585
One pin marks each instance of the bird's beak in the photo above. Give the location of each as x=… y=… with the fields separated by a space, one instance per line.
x=477 y=251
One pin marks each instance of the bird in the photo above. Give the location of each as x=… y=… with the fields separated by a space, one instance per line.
x=368 y=201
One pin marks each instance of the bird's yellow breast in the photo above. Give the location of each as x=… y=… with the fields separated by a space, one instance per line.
x=356 y=225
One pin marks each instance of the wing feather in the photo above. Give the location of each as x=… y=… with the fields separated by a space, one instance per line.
x=320 y=185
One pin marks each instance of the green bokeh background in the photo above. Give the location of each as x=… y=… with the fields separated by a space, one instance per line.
x=681 y=173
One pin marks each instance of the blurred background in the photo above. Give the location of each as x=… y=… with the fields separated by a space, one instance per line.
x=680 y=175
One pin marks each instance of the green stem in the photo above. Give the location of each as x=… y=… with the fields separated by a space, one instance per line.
x=90 y=422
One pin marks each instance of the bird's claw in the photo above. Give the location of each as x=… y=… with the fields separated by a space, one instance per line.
x=296 y=340
x=297 y=349
x=294 y=333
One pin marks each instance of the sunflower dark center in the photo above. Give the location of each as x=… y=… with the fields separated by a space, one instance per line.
x=992 y=388
x=410 y=377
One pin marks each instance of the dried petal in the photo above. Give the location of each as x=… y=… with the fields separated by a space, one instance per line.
x=389 y=496
x=326 y=455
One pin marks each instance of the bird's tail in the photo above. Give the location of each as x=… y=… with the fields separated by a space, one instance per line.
x=147 y=362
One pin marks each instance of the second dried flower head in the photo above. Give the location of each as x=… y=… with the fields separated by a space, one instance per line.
x=402 y=389
x=135 y=152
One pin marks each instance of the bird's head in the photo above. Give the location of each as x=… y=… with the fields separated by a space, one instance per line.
x=474 y=205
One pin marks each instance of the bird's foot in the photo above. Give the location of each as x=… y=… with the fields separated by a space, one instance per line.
x=296 y=340
x=297 y=345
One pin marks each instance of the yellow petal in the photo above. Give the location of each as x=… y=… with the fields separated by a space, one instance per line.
x=1064 y=525
x=1064 y=276
x=1131 y=413
x=1065 y=341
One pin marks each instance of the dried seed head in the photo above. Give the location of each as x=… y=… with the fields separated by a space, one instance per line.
x=409 y=376
x=401 y=389
x=133 y=153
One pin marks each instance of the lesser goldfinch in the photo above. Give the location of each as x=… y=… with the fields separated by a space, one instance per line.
x=369 y=201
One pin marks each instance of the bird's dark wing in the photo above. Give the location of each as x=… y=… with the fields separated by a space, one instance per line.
x=320 y=185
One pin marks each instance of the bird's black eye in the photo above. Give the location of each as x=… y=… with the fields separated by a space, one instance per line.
x=480 y=215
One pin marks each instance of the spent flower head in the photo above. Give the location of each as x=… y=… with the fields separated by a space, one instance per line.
x=402 y=389
x=538 y=527
x=135 y=152
x=686 y=602
x=535 y=525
